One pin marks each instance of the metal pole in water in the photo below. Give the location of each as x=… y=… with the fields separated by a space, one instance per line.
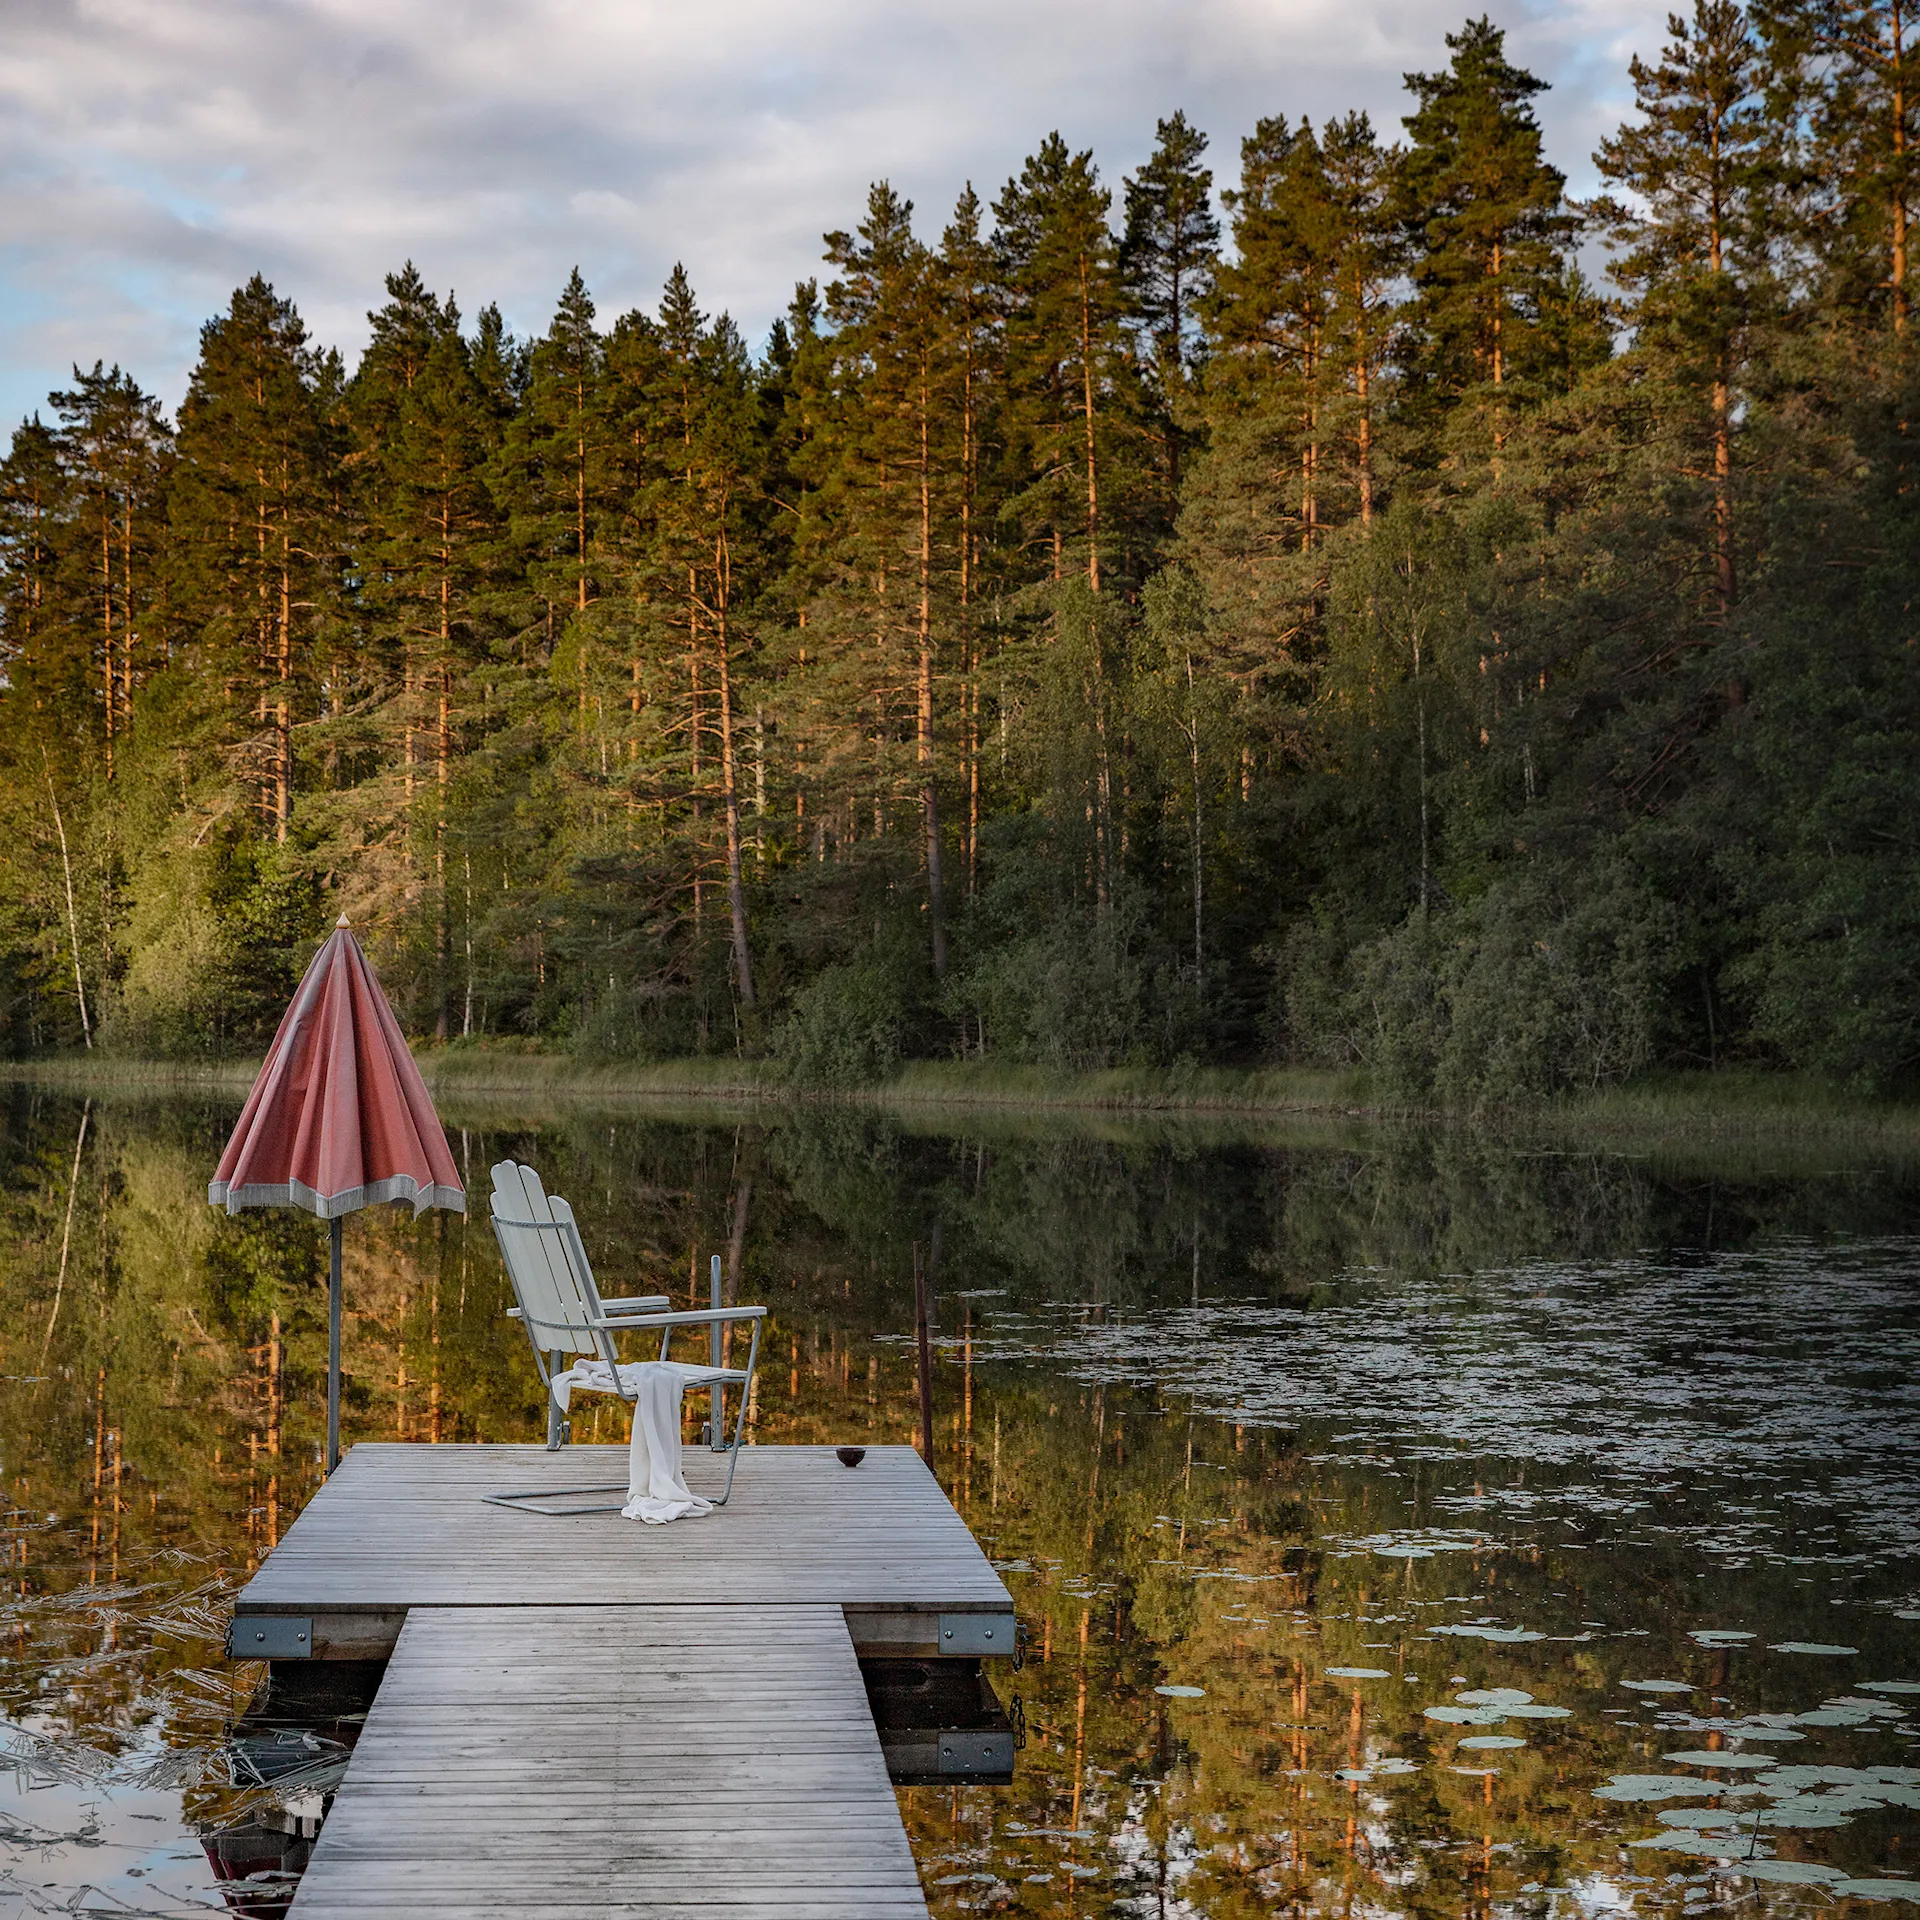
x=333 y=1343
x=921 y=1315
x=716 y=1430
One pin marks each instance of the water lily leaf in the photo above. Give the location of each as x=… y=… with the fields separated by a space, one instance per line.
x=1701 y=1817
x=1890 y=1686
x=1353 y=1773
x=1879 y=1889
x=1493 y=1697
x=1395 y=1763
x=1534 y=1711
x=1506 y=1636
x=1468 y=1716
x=1687 y=1842
x=1659 y=1686
x=1359 y=1673
x=1719 y=1636
x=1653 y=1786
x=1702 y=1757
x=1792 y=1873
x=1183 y=1693
x=1503 y=1741
x=1793 y=1779
x=1798 y=1813
x=1809 y=1646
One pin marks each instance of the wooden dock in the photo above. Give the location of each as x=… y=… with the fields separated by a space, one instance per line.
x=586 y=1761
x=589 y=1717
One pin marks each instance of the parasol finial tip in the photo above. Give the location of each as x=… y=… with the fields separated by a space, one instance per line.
x=343 y=921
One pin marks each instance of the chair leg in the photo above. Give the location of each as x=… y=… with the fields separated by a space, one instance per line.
x=740 y=1419
x=558 y=1426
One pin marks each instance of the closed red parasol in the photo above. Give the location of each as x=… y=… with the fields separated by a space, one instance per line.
x=338 y=1119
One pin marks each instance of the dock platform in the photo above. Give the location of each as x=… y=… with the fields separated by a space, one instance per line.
x=579 y=1762
x=585 y=1716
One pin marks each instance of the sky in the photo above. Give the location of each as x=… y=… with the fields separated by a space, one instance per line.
x=156 y=153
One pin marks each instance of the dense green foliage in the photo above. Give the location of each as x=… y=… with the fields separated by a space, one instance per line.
x=1084 y=637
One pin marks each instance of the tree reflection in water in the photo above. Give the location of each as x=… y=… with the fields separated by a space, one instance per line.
x=1281 y=1446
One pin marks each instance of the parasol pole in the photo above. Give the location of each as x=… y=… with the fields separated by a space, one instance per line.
x=333 y=1343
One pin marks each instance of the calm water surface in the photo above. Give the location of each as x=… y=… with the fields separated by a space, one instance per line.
x=1399 y=1526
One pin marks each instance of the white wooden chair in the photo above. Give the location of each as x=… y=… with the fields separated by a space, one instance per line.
x=564 y=1315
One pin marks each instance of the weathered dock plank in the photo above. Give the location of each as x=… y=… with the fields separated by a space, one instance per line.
x=404 y=1526
x=587 y=1762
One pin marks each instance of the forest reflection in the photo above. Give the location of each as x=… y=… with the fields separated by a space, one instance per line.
x=1241 y=1610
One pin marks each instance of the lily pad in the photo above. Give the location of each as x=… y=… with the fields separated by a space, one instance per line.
x=1494 y=1697
x=1489 y=1741
x=1794 y=1779
x=1701 y=1817
x=1359 y=1673
x=1659 y=1686
x=1533 y=1710
x=1702 y=1757
x=1879 y=1889
x=1809 y=1646
x=1654 y=1786
x=1468 y=1716
x=1505 y=1636
x=1719 y=1636
x=1890 y=1686
x=1807 y=1814
x=1792 y=1873
x=1706 y=1845
x=1395 y=1763
x=1352 y=1773
x=1183 y=1693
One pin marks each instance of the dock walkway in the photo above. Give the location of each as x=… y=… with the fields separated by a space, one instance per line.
x=590 y=1717
x=572 y=1763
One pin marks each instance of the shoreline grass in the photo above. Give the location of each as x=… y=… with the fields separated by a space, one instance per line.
x=1659 y=1111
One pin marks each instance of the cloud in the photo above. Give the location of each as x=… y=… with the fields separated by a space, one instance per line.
x=154 y=153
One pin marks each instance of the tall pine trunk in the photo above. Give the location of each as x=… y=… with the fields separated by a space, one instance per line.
x=736 y=887
x=929 y=788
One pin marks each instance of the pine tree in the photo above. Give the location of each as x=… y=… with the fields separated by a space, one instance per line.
x=1070 y=380
x=711 y=448
x=554 y=459
x=117 y=449
x=1700 y=166
x=1168 y=253
x=893 y=468
x=1485 y=216
x=250 y=533
x=44 y=655
x=966 y=271
x=432 y=541
x=1846 y=76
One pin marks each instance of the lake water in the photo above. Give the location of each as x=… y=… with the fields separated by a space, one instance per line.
x=1399 y=1524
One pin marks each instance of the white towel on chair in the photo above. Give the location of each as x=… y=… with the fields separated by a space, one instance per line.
x=656 y=1493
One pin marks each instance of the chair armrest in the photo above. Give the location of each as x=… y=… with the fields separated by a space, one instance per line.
x=695 y=1317
x=643 y=1303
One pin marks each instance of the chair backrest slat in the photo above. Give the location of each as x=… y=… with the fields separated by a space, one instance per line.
x=534 y=1235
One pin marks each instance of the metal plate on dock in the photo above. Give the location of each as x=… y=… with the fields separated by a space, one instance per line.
x=270 y=1636
x=976 y=1636
x=982 y=1754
